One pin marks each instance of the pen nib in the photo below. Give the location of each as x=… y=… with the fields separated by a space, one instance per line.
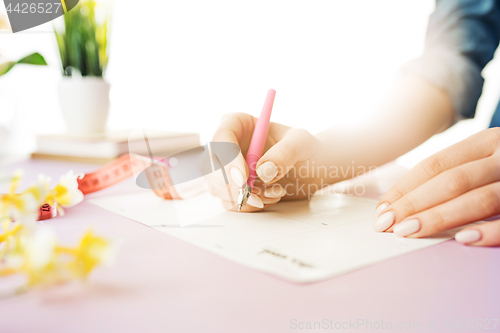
x=243 y=195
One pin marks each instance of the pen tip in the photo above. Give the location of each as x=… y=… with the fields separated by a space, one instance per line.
x=239 y=208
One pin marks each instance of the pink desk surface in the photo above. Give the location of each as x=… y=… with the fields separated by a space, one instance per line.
x=161 y=284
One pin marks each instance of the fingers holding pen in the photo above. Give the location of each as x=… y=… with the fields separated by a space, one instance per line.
x=297 y=145
x=262 y=196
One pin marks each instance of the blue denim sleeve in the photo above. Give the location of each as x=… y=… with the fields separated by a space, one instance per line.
x=461 y=39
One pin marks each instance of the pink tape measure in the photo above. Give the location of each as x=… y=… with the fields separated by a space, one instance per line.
x=117 y=171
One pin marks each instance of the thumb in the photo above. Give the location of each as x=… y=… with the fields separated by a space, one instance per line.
x=296 y=146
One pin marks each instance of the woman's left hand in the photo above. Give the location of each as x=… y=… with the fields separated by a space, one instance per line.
x=454 y=187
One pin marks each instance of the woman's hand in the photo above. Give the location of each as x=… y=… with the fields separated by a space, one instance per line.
x=287 y=150
x=456 y=186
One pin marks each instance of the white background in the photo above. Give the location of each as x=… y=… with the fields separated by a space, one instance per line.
x=181 y=65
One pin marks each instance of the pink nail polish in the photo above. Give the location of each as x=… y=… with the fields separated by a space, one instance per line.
x=267 y=171
x=407 y=227
x=237 y=176
x=255 y=201
x=380 y=209
x=468 y=236
x=268 y=201
x=384 y=222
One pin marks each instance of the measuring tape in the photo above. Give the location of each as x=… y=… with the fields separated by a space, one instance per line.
x=118 y=170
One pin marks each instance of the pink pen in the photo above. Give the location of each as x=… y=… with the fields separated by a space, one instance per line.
x=256 y=148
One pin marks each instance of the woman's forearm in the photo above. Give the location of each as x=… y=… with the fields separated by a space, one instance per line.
x=413 y=111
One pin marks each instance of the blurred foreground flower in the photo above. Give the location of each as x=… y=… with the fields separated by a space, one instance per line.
x=9 y=236
x=22 y=207
x=91 y=252
x=44 y=262
x=35 y=252
x=65 y=194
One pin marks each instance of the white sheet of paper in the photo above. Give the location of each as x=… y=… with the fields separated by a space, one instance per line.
x=301 y=241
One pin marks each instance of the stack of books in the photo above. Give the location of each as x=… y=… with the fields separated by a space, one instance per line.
x=106 y=147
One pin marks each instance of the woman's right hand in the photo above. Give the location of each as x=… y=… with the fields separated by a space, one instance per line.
x=283 y=170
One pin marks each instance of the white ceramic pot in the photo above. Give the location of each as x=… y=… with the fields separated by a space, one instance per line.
x=85 y=104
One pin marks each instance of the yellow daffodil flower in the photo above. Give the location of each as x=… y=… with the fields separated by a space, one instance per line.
x=44 y=262
x=34 y=252
x=36 y=258
x=66 y=193
x=89 y=253
x=22 y=207
x=8 y=236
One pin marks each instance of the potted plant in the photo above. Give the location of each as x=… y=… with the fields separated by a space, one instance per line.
x=83 y=47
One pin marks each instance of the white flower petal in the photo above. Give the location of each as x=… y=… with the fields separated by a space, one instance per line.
x=40 y=247
x=69 y=180
x=73 y=195
x=42 y=179
x=30 y=203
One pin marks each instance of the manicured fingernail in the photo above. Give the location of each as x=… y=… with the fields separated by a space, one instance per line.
x=383 y=222
x=275 y=191
x=237 y=176
x=406 y=228
x=268 y=201
x=267 y=171
x=255 y=200
x=468 y=236
x=380 y=209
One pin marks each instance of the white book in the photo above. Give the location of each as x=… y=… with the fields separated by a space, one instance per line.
x=113 y=144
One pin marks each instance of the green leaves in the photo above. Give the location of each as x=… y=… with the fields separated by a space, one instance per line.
x=83 y=41
x=32 y=59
